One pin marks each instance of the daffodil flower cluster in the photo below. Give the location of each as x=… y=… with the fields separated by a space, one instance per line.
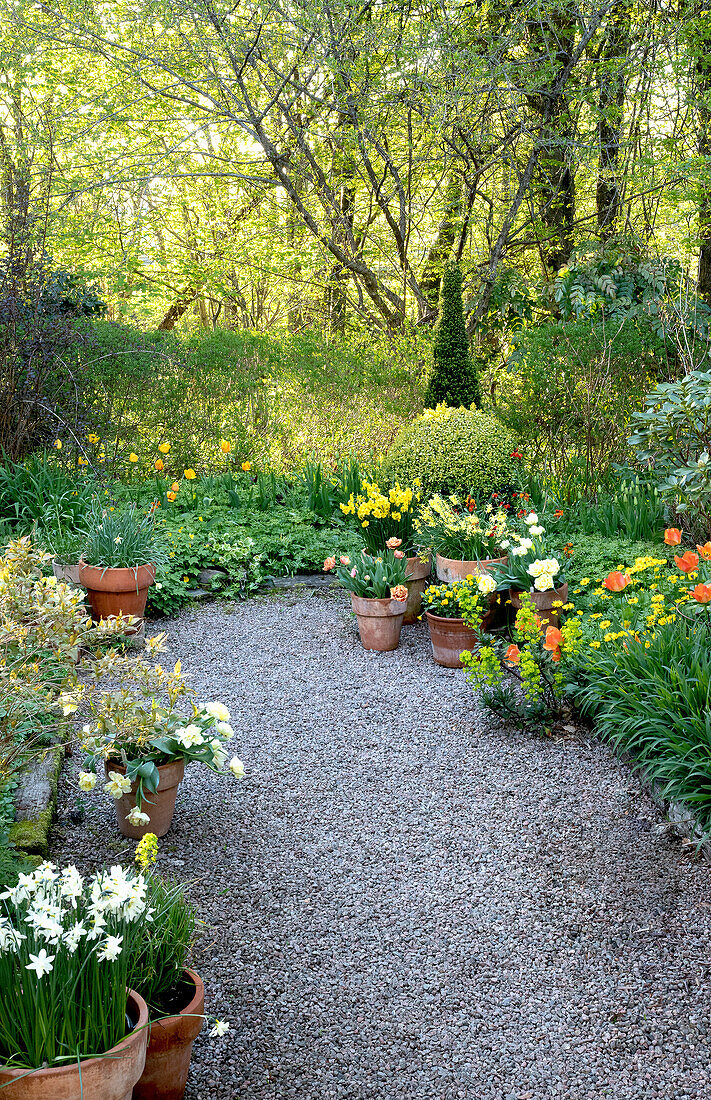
x=468 y=600
x=454 y=529
x=382 y=514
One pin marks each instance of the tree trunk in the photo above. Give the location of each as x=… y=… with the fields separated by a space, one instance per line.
x=612 y=84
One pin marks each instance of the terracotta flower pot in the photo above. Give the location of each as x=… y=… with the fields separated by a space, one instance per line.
x=114 y=592
x=170 y=1047
x=543 y=603
x=160 y=806
x=449 y=638
x=450 y=570
x=379 y=622
x=67 y=573
x=109 y=1077
x=418 y=572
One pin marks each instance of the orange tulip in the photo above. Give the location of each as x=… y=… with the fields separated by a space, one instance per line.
x=513 y=655
x=688 y=562
x=702 y=593
x=329 y=564
x=393 y=543
x=159 y=464
x=705 y=551
x=672 y=536
x=553 y=642
x=171 y=496
x=615 y=582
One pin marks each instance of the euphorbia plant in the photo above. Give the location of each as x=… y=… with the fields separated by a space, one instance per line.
x=467 y=599
x=373 y=577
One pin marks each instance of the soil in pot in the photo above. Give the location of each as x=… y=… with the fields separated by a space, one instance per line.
x=110 y=1077
x=418 y=573
x=449 y=638
x=379 y=622
x=170 y=1044
x=160 y=806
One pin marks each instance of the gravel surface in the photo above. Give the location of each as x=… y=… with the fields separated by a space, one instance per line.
x=403 y=900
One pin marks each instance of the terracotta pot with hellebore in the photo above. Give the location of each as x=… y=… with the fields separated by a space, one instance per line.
x=160 y=806
x=170 y=1045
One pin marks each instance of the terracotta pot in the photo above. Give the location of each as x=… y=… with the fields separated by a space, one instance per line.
x=418 y=572
x=110 y=1077
x=67 y=573
x=114 y=592
x=452 y=569
x=170 y=1047
x=379 y=622
x=159 y=806
x=543 y=602
x=449 y=638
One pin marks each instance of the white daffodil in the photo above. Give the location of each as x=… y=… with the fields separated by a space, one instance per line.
x=87 y=781
x=137 y=817
x=218 y=711
x=236 y=767
x=73 y=935
x=117 y=785
x=111 y=949
x=219 y=1028
x=41 y=963
x=71 y=883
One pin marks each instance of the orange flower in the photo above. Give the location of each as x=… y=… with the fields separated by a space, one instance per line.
x=705 y=551
x=553 y=642
x=393 y=543
x=615 y=582
x=246 y=466
x=512 y=655
x=159 y=464
x=329 y=564
x=672 y=536
x=702 y=593
x=171 y=496
x=175 y=486
x=345 y=560
x=399 y=592
x=558 y=513
x=688 y=562
x=225 y=446
x=398 y=553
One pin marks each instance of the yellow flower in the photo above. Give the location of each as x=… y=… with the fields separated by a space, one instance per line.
x=164 y=448
x=133 y=457
x=246 y=466
x=595 y=645
x=604 y=624
x=93 y=437
x=159 y=464
x=171 y=496
x=82 y=461
x=189 y=475
x=58 y=444
x=225 y=446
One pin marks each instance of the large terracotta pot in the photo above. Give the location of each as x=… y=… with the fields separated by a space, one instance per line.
x=450 y=570
x=170 y=1047
x=379 y=622
x=418 y=572
x=109 y=1077
x=160 y=806
x=449 y=638
x=114 y=592
x=69 y=574
x=543 y=602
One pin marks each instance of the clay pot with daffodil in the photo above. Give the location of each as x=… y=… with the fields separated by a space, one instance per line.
x=118 y=564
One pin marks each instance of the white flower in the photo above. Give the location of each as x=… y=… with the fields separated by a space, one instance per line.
x=225 y=730
x=536 y=568
x=536 y=530
x=189 y=736
x=526 y=543
x=218 y=753
x=543 y=583
x=87 y=781
x=137 y=817
x=504 y=544
x=236 y=767
x=41 y=963
x=111 y=949
x=118 y=785
x=551 y=566
x=71 y=883
x=218 y=711
x=220 y=1028
x=486 y=583
x=530 y=519
x=73 y=935
x=518 y=551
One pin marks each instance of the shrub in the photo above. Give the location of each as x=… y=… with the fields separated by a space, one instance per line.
x=596 y=555
x=454 y=451
x=454 y=380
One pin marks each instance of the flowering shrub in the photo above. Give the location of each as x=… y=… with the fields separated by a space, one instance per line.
x=453 y=528
x=373 y=578
x=384 y=514
x=468 y=599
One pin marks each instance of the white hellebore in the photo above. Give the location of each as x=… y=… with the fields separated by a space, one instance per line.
x=137 y=817
x=41 y=963
x=236 y=767
x=117 y=785
x=220 y=1028
x=87 y=781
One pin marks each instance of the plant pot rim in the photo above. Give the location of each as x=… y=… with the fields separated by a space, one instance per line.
x=378 y=599
x=473 y=561
x=67 y=1070
x=445 y=618
x=108 y=578
x=197 y=999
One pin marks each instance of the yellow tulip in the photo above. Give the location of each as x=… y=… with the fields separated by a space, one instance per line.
x=225 y=446
x=164 y=448
x=246 y=466
x=159 y=464
x=190 y=475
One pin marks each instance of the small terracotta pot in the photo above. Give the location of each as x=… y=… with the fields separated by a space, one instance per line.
x=115 y=592
x=543 y=603
x=449 y=638
x=170 y=1047
x=418 y=572
x=67 y=573
x=450 y=570
x=109 y=1077
x=379 y=622
x=159 y=806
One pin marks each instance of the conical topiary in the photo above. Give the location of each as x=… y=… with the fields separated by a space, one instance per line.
x=454 y=379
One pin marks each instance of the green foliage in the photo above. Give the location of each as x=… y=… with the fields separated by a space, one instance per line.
x=673 y=434
x=373 y=577
x=122 y=538
x=454 y=380
x=653 y=701
x=634 y=511
x=39 y=491
x=162 y=951
x=595 y=556
x=454 y=451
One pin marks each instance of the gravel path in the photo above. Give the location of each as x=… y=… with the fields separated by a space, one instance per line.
x=403 y=901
